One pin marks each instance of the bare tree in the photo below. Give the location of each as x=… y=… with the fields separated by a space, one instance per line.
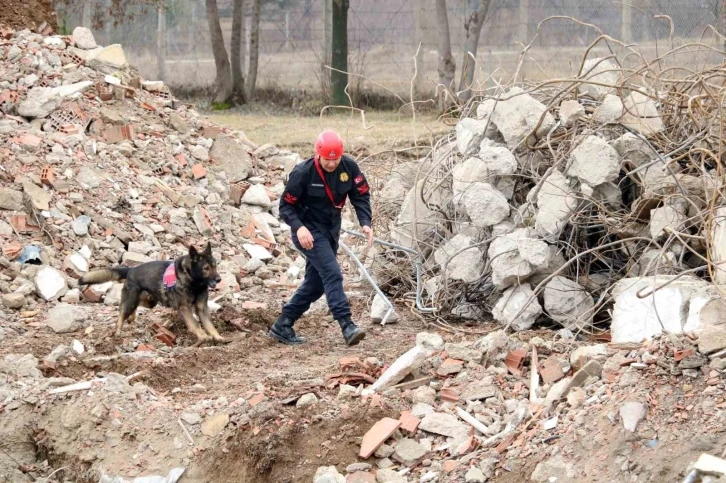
x=339 y=74
x=238 y=53
x=224 y=87
x=447 y=63
x=721 y=24
x=473 y=27
x=254 y=50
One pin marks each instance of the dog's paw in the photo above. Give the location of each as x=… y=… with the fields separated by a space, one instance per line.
x=218 y=339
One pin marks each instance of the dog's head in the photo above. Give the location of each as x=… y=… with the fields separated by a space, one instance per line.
x=204 y=266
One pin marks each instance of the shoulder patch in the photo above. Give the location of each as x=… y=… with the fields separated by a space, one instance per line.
x=358 y=179
x=344 y=177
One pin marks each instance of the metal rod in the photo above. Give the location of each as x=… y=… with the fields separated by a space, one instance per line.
x=370 y=280
x=419 y=268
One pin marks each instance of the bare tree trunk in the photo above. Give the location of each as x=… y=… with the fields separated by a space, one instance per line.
x=721 y=24
x=238 y=53
x=339 y=76
x=254 y=50
x=473 y=29
x=447 y=63
x=221 y=61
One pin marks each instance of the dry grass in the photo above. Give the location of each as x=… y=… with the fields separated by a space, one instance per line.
x=383 y=131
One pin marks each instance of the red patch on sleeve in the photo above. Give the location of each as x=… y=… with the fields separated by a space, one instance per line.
x=290 y=199
x=363 y=189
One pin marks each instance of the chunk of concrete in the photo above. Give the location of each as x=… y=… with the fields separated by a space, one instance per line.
x=83 y=38
x=640 y=113
x=600 y=71
x=513 y=300
x=568 y=303
x=610 y=111
x=594 y=162
x=634 y=149
x=516 y=256
x=39 y=103
x=416 y=219
x=556 y=202
x=571 y=111
x=485 y=205
x=11 y=200
x=232 y=158
x=666 y=218
x=469 y=134
x=465 y=262
x=328 y=474
x=64 y=318
x=50 y=283
x=379 y=309
x=112 y=56
x=444 y=424
x=631 y=413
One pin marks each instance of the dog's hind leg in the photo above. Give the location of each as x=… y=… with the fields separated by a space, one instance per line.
x=186 y=312
x=127 y=311
x=203 y=314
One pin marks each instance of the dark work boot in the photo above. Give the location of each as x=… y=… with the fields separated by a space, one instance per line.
x=282 y=331
x=351 y=333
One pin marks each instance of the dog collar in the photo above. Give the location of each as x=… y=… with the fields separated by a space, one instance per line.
x=169 y=278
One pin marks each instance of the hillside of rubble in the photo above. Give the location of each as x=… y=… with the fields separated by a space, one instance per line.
x=568 y=241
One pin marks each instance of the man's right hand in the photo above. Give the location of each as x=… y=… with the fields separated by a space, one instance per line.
x=305 y=238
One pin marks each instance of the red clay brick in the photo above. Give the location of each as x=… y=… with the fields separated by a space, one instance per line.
x=256 y=399
x=409 y=422
x=254 y=305
x=551 y=370
x=449 y=394
x=378 y=435
x=199 y=171
x=515 y=361
x=360 y=477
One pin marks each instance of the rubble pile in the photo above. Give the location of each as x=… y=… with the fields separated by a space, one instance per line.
x=101 y=167
x=576 y=203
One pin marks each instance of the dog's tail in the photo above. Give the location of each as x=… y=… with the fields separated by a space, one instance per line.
x=104 y=275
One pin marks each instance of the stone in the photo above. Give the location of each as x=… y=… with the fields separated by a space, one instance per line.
x=450 y=367
x=14 y=301
x=256 y=195
x=669 y=309
x=89 y=178
x=516 y=256
x=39 y=103
x=554 y=469
x=378 y=435
x=594 y=162
x=558 y=391
x=328 y=474
x=383 y=451
x=19 y=366
x=601 y=71
x=112 y=56
x=202 y=224
x=131 y=258
x=113 y=296
x=77 y=262
x=568 y=303
x=708 y=464
x=571 y=111
x=491 y=162
x=191 y=418
x=631 y=413
x=50 y=284
x=64 y=318
x=464 y=352
x=517 y=116
x=178 y=124
x=485 y=205
x=424 y=394
x=199 y=153
x=585 y=376
x=232 y=158
x=582 y=355
x=80 y=225
x=610 y=111
x=257 y=252
x=712 y=339
x=478 y=391
x=253 y=265
x=389 y=476
x=214 y=425
x=634 y=149
x=475 y=475
x=379 y=309
x=640 y=113
x=471 y=132
x=459 y=261
x=664 y=219
x=512 y=302
x=416 y=218
x=83 y=38
x=556 y=202
x=444 y=424
x=11 y=200
x=408 y=452
x=352 y=468
x=576 y=397
x=38 y=196
x=309 y=399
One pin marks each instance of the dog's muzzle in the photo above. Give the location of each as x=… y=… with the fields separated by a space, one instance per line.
x=213 y=283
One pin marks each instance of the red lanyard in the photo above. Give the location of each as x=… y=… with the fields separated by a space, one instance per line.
x=327 y=188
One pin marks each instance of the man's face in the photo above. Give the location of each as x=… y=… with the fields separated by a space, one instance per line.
x=329 y=165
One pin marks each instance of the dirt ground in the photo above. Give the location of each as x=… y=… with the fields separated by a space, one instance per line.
x=30 y=14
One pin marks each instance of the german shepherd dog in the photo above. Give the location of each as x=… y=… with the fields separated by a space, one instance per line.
x=182 y=284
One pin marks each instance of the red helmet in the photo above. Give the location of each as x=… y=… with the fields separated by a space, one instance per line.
x=329 y=145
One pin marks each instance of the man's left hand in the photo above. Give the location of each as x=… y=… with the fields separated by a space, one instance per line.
x=368 y=231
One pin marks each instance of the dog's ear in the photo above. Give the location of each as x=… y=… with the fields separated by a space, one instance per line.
x=193 y=253
x=208 y=250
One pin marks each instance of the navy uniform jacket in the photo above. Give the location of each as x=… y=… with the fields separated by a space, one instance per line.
x=306 y=201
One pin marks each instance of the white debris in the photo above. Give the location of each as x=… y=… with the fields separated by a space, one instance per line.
x=511 y=304
x=461 y=260
x=594 y=162
x=568 y=303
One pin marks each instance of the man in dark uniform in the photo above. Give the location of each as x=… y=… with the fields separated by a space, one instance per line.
x=312 y=204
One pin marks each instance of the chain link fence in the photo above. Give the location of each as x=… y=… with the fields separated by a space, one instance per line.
x=383 y=37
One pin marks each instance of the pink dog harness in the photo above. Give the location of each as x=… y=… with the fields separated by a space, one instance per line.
x=169 y=277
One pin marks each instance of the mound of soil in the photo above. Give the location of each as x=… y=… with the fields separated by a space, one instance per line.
x=30 y=14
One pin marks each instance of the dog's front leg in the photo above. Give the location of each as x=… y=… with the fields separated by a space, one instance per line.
x=203 y=313
x=193 y=326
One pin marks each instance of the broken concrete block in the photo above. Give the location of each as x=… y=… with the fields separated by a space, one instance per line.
x=408 y=452
x=71 y=90
x=710 y=465
x=83 y=38
x=444 y=424
x=594 y=162
x=637 y=319
x=309 y=399
x=50 y=283
x=485 y=205
x=556 y=202
x=711 y=339
x=571 y=111
x=416 y=218
x=257 y=252
x=601 y=71
x=13 y=301
x=492 y=162
x=426 y=344
x=112 y=55
x=470 y=133
x=554 y=469
x=328 y=474
x=634 y=149
x=517 y=116
x=458 y=260
x=568 y=303
x=39 y=103
x=641 y=114
x=516 y=256
x=257 y=195
x=64 y=318
x=379 y=309
x=19 y=366
x=631 y=413
x=666 y=218
x=214 y=425
x=610 y=111
x=39 y=197
x=11 y=200
x=232 y=158
x=510 y=304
